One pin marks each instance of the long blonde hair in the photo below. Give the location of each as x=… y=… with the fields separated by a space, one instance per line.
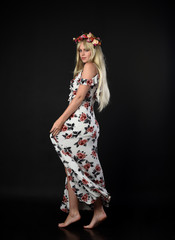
x=97 y=57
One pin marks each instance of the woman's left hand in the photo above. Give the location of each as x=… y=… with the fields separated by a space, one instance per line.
x=57 y=126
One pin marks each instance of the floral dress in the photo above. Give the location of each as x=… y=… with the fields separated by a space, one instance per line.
x=76 y=146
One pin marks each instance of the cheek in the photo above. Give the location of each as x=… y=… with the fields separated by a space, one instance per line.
x=89 y=54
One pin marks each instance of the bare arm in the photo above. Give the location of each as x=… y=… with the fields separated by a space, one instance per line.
x=88 y=72
x=72 y=107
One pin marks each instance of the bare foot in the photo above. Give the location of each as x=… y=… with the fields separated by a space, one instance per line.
x=70 y=219
x=97 y=219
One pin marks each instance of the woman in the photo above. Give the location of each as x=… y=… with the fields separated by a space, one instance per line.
x=75 y=134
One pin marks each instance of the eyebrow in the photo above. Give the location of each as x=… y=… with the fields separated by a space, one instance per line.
x=82 y=49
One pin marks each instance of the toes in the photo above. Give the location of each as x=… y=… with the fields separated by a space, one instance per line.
x=61 y=225
x=87 y=226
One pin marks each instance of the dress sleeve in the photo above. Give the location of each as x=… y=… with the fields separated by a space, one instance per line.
x=90 y=82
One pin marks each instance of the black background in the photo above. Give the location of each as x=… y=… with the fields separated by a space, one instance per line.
x=136 y=128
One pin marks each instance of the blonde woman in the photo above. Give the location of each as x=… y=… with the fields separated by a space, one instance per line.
x=75 y=135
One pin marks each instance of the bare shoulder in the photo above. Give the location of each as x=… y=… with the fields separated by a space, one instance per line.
x=89 y=70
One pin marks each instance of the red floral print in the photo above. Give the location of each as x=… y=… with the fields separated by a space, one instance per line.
x=87 y=174
x=101 y=181
x=65 y=210
x=81 y=155
x=70 y=178
x=83 y=117
x=66 y=153
x=94 y=153
x=90 y=129
x=63 y=152
x=69 y=170
x=64 y=199
x=87 y=166
x=85 y=197
x=86 y=105
x=89 y=81
x=84 y=181
x=76 y=146
x=94 y=135
x=68 y=136
x=88 y=94
x=97 y=167
x=97 y=190
x=82 y=142
x=64 y=128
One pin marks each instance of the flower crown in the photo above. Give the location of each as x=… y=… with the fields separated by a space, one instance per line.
x=89 y=38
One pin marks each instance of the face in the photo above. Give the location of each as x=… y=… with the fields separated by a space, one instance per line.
x=84 y=53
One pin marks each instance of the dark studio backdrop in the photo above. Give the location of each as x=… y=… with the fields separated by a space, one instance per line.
x=37 y=61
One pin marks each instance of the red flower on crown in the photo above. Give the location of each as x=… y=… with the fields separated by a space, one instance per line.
x=89 y=38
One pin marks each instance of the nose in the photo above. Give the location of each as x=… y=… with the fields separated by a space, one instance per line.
x=83 y=52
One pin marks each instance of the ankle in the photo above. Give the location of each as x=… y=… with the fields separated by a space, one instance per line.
x=99 y=209
x=74 y=213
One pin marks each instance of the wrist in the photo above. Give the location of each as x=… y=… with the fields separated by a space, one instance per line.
x=61 y=119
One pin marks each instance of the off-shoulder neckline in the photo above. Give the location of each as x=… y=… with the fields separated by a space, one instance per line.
x=97 y=75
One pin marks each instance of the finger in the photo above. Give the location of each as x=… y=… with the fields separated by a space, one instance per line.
x=56 y=132
x=53 y=132
x=52 y=129
x=54 y=137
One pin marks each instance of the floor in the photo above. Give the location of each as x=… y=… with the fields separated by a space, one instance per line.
x=36 y=219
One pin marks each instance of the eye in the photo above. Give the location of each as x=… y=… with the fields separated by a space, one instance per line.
x=87 y=50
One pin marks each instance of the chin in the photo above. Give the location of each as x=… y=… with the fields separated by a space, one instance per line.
x=84 y=61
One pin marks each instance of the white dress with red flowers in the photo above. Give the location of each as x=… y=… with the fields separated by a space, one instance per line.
x=76 y=145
